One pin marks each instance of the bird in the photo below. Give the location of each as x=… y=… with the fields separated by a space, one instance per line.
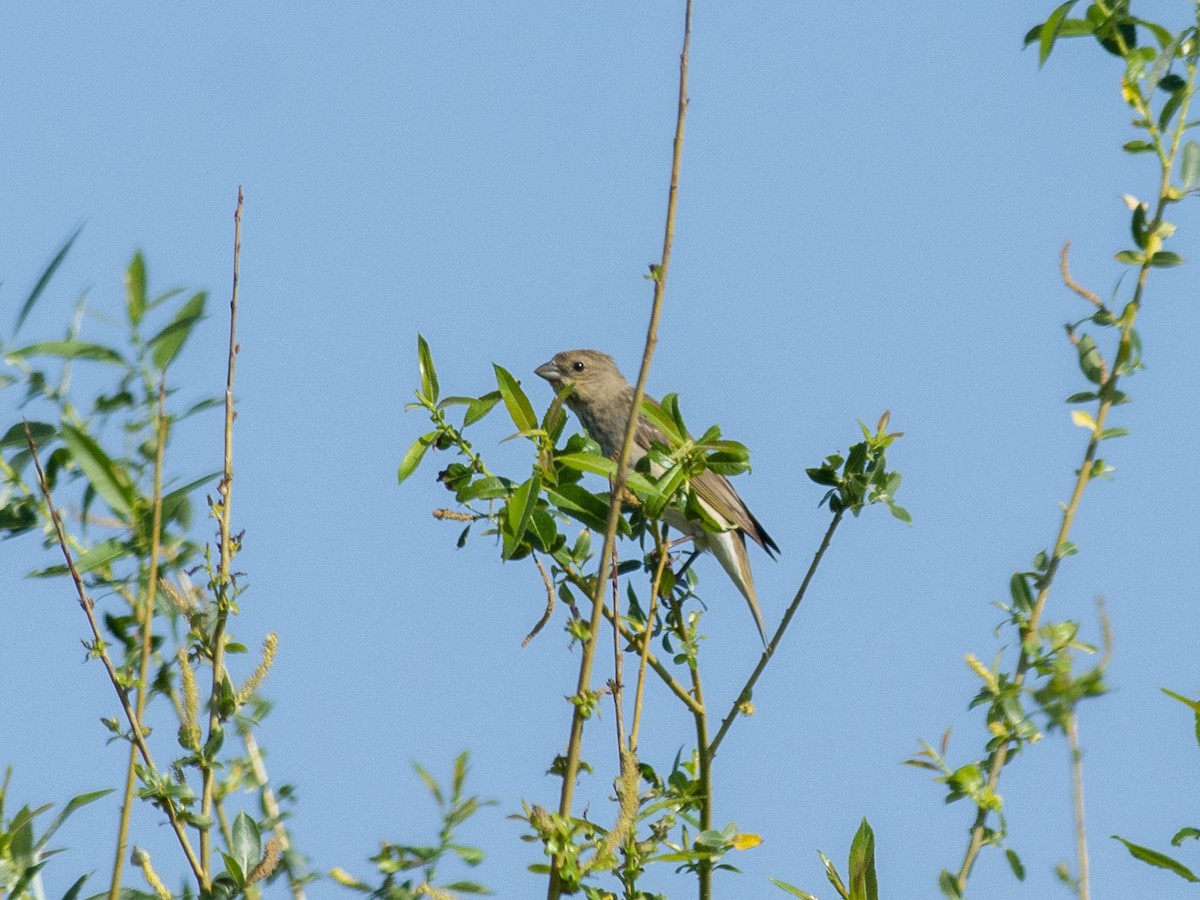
x=601 y=399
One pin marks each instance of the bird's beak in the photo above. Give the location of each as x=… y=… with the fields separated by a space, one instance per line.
x=550 y=372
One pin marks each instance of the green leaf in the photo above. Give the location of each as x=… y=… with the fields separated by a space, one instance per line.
x=1165 y=259
x=429 y=380
x=44 y=280
x=73 y=892
x=73 y=804
x=166 y=345
x=1159 y=860
x=110 y=481
x=949 y=886
x=1018 y=589
x=863 y=883
x=1169 y=109
x=582 y=505
x=520 y=509
x=15 y=436
x=588 y=462
x=175 y=503
x=1131 y=257
x=247 y=842
x=415 y=454
x=480 y=407
x=792 y=889
x=1050 y=31
x=135 y=289
x=1189 y=170
x=489 y=487
x=666 y=421
x=71 y=350
x=518 y=405
x=1137 y=225
x=1091 y=363
x=101 y=555
x=1184 y=834
x=1014 y=863
x=1138 y=147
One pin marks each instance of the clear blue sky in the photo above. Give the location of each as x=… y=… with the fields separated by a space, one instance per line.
x=872 y=204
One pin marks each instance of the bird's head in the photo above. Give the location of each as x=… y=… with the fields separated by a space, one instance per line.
x=590 y=374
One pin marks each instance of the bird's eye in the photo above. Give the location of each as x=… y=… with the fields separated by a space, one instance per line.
x=578 y=366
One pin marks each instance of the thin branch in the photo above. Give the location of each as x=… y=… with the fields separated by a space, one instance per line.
x=223 y=591
x=146 y=624
x=98 y=649
x=541 y=623
x=1108 y=392
x=769 y=652
x=663 y=556
x=575 y=742
x=1072 y=283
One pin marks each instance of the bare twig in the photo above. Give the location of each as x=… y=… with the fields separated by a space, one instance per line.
x=541 y=623
x=1072 y=283
x=768 y=653
x=575 y=742
x=97 y=648
x=146 y=624
x=223 y=592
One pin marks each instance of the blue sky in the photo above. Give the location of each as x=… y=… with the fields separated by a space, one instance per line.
x=872 y=204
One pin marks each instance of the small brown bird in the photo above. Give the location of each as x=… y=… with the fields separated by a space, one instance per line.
x=602 y=399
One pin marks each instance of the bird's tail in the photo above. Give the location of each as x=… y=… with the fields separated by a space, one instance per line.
x=730 y=548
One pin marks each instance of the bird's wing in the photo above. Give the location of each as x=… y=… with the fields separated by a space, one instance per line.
x=715 y=490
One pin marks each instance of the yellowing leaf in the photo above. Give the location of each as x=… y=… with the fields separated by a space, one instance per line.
x=746 y=841
x=1083 y=419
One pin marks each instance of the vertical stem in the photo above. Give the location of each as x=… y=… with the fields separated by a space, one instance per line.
x=587 y=658
x=1081 y=850
x=223 y=589
x=146 y=624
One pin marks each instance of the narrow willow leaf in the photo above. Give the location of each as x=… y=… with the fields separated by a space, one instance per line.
x=109 y=481
x=101 y=555
x=15 y=436
x=1169 y=109
x=487 y=488
x=792 y=889
x=1159 y=860
x=480 y=407
x=1138 y=147
x=1018 y=589
x=1014 y=863
x=71 y=350
x=165 y=345
x=1165 y=259
x=518 y=405
x=520 y=509
x=135 y=289
x=429 y=380
x=660 y=418
x=1050 y=31
x=414 y=455
x=44 y=280
x=863 y=883
x=1189 y=171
